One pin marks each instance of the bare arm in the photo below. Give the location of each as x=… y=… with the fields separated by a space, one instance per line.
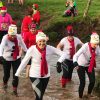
x=60 y=46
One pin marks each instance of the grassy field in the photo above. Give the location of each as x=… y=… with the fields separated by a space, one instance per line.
x=52 y=11
x=57 y=7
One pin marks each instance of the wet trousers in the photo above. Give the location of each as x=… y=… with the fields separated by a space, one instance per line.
x=39 y=85
x=81 y=73
x=67 y=69
x=7 y=67
x=2 y=33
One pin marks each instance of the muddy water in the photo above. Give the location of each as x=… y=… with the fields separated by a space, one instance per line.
x=54 y=90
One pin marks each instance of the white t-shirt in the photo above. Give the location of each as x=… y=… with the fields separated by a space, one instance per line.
x=36 y=60
x=82 y=57
x=66 y=45
x=6 y=47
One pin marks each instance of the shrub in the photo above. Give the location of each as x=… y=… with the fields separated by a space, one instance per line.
x=53 y=36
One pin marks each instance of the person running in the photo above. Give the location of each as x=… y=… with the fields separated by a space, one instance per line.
x=85 y=62
x=30 y=39
x=5 y=21
x=41 y=54
x=68 y=44
x=36 y=14
x=27 y=20
x=10 y=55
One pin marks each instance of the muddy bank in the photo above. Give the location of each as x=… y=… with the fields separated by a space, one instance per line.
x=82 y=28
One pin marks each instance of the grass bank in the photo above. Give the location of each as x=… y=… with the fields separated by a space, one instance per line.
x=52 y=11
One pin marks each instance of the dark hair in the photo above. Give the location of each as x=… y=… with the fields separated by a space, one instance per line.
x=29 y=11
x=31 y=25
x=69 y=30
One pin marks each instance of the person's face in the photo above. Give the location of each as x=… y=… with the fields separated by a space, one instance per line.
x=41 y=43
x=70 y=37
x=33 y=7
x=3 y=13
x=94 y=45
x=33 y=30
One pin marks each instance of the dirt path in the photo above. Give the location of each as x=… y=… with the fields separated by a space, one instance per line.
x=53 y=92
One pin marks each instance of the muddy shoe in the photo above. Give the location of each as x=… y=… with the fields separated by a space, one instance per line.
x=90 y=96
x=77 y=98
x=5 y=86
x=15 y=93
x=64 y=86
x=86 y=96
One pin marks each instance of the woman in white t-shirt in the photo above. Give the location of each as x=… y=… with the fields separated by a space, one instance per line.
x=10 y=56
x=40 y=55
x=84 y=61
x=68 y=44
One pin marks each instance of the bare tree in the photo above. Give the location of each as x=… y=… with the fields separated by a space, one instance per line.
x=87 y=8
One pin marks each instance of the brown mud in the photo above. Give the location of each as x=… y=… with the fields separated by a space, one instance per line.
x=54 y=90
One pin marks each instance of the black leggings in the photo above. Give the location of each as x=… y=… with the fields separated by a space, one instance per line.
x=2 y=33
x=7 y=67
x=72 y=11
x=68 y=69
x=81 y=73
x=39 y=85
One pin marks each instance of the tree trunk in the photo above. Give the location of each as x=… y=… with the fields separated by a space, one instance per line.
x=87 y=8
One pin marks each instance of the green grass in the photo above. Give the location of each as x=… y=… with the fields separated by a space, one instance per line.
x=52 y=11
x=55 y=9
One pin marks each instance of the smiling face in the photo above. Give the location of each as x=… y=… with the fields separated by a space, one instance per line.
x=41 y=43
x=94 y=40
x=3 y=13
x=33 y=30
x=94 y=45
